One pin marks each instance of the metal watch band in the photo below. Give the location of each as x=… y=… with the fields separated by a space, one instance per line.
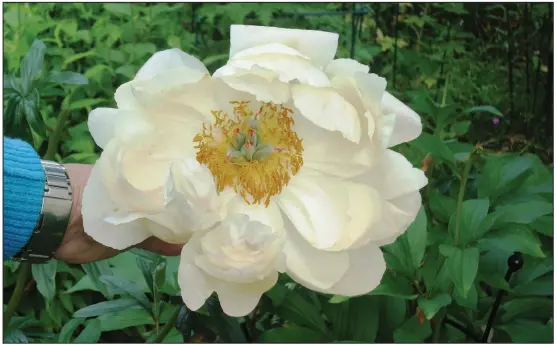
x=54 y=218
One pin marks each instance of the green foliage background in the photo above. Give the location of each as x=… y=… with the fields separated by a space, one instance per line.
x=459 y=66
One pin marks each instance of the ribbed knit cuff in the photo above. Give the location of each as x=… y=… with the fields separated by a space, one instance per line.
x=23 y=194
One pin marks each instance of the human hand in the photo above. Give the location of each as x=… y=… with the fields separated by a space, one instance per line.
x=77 y=247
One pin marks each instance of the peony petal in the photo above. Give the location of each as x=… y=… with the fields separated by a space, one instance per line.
x=372 y=87
x=309 y=266
x=287 y=68
x=194 y=286
x=97 y=205
x=169 y=60
x=399 y=214
x=364 y=274
x=393 y=176
x=317 y=214
x=268 y=215
x=408 y=125
x=345 y=67
x=238 y=299
x=330 y=153
x=257 y=81
x=108 y=123
x=319 y=46
x=327 y=109
x=270 y=48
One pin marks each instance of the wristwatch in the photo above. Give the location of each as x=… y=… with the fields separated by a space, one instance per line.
x=54 y=218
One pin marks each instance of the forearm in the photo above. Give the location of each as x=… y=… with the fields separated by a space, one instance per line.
x=23 y=194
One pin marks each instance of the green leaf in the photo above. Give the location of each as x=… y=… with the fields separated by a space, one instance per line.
x=513 y=238
x=523 y=213
x=119 y=9
x=543 y=225
x=338 y=299
x=69 y=328
x=470 y=301
x=525 y=331
x=73 y=58
x=462 y=265
x=32 y=64
x=443 y=207
x=519 y=306
x=472 y=215
x=428 y=143
x=45 y=276
x=395 y=286
x=461 y=127
x=228 y=328
x=540 y=287
x=291 y=334
x=91 y=334
x=393 y=314
x=66 y=77
x=483 y=109
x=363 y=320
x=124 y=319
x=431 y=305
x=501 y=175
x=298 y=309
x=416 y=235
x=412 y=331
x=94 y=271
x=107 y=307
x=122 y=286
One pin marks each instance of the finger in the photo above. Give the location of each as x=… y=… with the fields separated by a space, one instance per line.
x=158 y=246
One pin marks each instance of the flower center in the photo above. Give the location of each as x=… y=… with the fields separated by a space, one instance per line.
x=256 y=153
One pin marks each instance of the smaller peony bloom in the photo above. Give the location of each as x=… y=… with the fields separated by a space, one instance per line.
x=239 y=260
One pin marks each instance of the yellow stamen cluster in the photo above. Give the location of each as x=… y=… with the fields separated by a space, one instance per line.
x=256 y=179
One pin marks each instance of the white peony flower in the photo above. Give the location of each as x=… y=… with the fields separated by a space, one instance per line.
x=278 y=163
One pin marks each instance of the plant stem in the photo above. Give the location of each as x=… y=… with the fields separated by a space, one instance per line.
x=23 y=275
x=168 y=327
x=55 y=137
x=460 y=200
x=439 y=325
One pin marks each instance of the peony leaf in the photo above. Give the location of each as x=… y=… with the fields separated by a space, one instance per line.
x=501 y=175
x=462 y=265
x=45 y=276
x=473 y=213
x=431 y=306
x=412 y=331
x=291 y=334
x=107 y=307
x=91 y=333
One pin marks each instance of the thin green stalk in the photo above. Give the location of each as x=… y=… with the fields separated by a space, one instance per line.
x=55 y=137
x=460 y=200
x=23 y=275
x=168 y=327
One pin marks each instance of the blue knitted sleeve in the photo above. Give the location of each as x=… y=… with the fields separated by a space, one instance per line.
x=23 y=194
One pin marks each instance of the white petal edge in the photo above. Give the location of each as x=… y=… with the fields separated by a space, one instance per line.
x=96 y=206
x=327 y=109
x=408 y=124
x=319 y=46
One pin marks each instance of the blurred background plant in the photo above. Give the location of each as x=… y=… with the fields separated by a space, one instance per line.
x=479 y=74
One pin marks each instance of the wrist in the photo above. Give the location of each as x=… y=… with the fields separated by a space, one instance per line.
x=54 y=216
